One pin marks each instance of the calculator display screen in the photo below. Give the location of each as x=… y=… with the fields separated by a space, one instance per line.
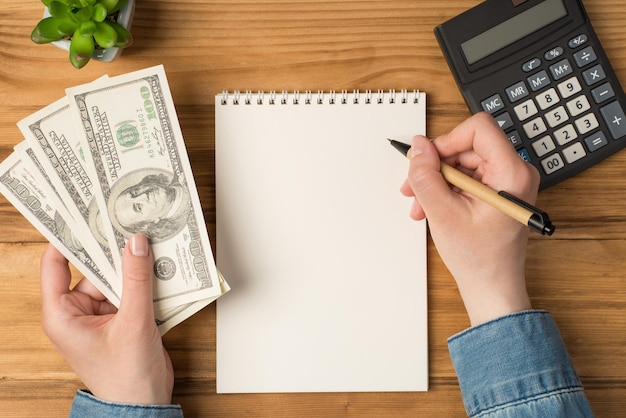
x=512 y=30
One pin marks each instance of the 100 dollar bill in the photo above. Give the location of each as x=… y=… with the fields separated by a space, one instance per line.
x=51 y=134
x=27 y=189
x=143 y=181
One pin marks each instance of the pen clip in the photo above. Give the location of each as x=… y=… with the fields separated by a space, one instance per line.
x=539 y=221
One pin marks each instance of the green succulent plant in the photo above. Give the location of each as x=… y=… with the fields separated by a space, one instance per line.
x=88 y=24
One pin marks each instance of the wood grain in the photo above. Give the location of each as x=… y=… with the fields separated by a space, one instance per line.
x=208 y=46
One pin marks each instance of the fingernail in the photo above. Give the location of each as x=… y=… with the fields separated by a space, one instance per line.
x=417 y=148
x=139 y=245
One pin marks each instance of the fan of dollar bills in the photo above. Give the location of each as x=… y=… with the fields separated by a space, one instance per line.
x=108 y=161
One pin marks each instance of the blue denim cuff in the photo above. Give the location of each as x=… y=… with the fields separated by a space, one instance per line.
x=87 y=405
x=513 y=360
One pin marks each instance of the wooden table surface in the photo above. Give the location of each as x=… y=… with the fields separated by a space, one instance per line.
x=208 y=46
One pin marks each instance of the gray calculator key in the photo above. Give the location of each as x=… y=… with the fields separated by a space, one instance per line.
x=596 y=141
x=538 y=81
x=577 y=41
x=615 y=119
x=517 y=92
x=504 y=121
x=553 y=53
x=514 y=138
x=594 y=75
x=585 y=56
x=561 y=69
x=531 y=65
x=492 y=104
x=602 y=93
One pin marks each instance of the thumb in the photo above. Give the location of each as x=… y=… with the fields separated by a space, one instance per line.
x=137 y=272
x=431 y=191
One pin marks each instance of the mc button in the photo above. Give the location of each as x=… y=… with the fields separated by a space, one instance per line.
x=492 y=104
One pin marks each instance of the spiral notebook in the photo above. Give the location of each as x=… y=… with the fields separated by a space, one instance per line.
x=328 y=272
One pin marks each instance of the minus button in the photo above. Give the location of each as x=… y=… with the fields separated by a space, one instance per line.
x=602 y=93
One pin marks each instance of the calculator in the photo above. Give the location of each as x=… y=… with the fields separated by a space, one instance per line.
x=539 y=69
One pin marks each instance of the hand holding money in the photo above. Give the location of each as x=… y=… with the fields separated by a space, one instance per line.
x=106 y=162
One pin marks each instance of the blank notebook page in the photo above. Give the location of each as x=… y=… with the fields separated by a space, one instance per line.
x=328 y=272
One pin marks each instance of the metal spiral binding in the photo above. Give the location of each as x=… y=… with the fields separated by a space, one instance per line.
x=321 y=97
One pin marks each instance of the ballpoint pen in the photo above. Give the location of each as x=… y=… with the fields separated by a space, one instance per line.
x=510 y=205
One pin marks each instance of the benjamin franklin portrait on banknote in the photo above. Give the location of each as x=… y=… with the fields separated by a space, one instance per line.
x=151 y=201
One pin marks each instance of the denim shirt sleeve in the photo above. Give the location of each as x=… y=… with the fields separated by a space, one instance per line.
x=87 y=405
x=517 y=366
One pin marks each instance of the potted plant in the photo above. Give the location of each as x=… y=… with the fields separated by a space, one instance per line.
x=88 y=29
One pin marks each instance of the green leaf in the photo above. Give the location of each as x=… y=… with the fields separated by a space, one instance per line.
x=100 y=12
x=120 y=4
x=124 y=37
x=49 y=29
x=81 y=49
x=58 y=9
x=105 y=35
x=88 y=28
x=84 y=14
x=109 y=4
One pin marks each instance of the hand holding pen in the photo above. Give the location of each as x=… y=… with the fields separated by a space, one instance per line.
x=483 y=248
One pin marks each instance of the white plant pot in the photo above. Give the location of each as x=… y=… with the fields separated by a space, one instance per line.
x=124 y=18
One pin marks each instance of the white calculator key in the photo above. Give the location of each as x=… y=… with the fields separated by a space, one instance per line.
x=565 y=134
x=578 y=105
x=547 y=99
x=535 y=127
x=543 y=146
x=525 y=110
x=569 y=87
x=552 y=163
x=574 y=152
x=587 y=123
x=556 y=117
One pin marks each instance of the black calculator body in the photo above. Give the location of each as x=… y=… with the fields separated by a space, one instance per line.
x=539 y=69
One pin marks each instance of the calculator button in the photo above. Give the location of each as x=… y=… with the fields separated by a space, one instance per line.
x=565 y=134
x=543 y=146
x=538 y=81
x=569 y=87
x=578 y=105
x=577 y=41
x=517 y=92
x=535 y=128
x=524 y=155
x=594 y=75
x=553 y=53
x=531 y=65
x=561 y=69
x=574 y=152
x=547 y=98
x=587 y=123
x=615 y=119
x=585 y=56
x=552 y=163
x=602 y=93
x=525 y=109
x=596 y=141
x=504 y=121
x=492 y=104
x=556 y=117
x=514 y=138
